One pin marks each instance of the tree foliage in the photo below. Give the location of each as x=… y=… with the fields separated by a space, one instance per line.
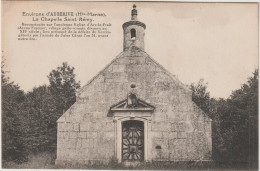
x=63 y=86
x=235 y=121
x=243 y=112
x=40 y=110
x=29 y=119
x=200 y=95
x=12 y=132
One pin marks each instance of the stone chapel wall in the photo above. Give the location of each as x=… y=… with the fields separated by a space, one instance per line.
x=178 y=126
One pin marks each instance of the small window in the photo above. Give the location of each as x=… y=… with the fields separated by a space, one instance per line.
x=133 y=34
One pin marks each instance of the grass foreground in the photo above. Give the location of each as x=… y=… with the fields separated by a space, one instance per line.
x=46 y=160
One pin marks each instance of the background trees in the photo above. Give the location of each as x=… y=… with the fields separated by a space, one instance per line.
x=63 y=86
x=12 y=132
x=40 y=109
x=235 y=121
x=29 y=119
x=200 y=95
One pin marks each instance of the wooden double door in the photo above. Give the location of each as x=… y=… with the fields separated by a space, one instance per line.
x=132 y=141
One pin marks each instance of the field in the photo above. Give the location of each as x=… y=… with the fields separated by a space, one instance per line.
x=46 y=160
x=43 y=160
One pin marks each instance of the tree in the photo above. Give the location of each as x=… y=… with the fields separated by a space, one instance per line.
x=63 y=86
x=200 y=95
x=12 y=129
x=40 y=111
x=243 y=104
x=235 y=125
x=45 y=104
x=29 y=120
x=234 y=121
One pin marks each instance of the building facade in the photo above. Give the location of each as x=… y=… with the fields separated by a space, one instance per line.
x=133 y=110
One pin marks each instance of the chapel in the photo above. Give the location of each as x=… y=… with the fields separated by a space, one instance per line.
x=134 y=111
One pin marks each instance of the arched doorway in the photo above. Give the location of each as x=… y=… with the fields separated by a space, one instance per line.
x=132 y=141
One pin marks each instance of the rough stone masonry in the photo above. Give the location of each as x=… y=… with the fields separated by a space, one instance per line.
x=135 y=111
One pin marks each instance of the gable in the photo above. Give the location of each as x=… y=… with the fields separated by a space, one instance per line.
x=132 y=61
x=154 y=84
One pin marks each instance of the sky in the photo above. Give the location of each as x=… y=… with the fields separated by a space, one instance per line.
x=214 y=41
